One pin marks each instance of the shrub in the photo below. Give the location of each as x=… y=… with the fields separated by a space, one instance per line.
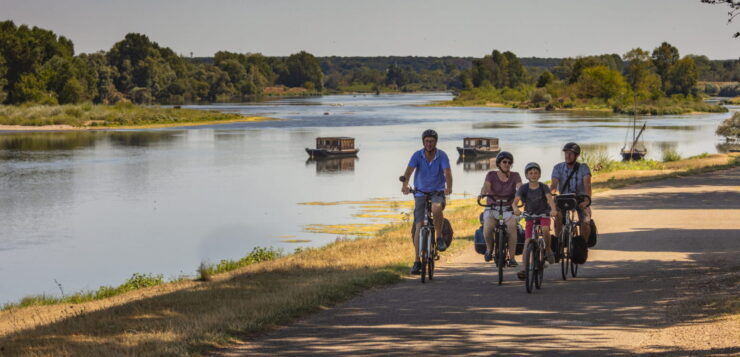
x=730 y=127
x=671 y=155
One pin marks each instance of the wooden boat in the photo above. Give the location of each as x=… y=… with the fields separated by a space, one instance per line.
x=333 y=147
x=472 y=163
x=479 y=147
x=635 y=151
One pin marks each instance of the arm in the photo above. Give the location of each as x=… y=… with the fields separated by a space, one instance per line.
x=448 y=181
x=405 y=184
x=555 y=184
x=551 y=203
x=486 y=188
x=587 y=188
x=515 y=205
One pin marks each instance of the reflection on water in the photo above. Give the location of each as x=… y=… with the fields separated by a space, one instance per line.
x=728 y=147
x=141 y=138
x=333 y=165
x=496 y=125
x=477 y=163
x=47 y=141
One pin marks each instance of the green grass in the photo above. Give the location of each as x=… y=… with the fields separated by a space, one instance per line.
x=89 y=115
x=137 y=281
x=671 y=155
x=600 y=162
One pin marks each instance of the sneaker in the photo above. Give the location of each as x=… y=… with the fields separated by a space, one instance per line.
x=550 y=257
x=521 y=275
x=416 y=269
x=441 y=245
x=488 y=256
x=512 y=263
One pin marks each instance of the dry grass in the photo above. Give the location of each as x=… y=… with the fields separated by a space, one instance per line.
x=82 y=116
x=188 y=317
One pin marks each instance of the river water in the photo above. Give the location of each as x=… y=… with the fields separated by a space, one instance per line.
x=90 y=208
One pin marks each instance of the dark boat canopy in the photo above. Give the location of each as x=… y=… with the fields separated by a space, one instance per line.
x=480 y=142
x=335 y=143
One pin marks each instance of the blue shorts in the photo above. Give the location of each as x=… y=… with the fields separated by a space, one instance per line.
x=421 y=205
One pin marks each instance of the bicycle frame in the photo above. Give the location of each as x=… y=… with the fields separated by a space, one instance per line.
x=501 y=237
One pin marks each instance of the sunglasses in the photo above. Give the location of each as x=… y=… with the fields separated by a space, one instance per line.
x=506 y=162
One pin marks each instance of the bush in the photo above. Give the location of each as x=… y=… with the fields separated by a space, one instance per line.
x=671 y=155
x=730 y=127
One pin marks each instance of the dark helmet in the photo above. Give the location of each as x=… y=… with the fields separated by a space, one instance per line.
x=532 y=165
x=503 y=155
x=429 y=132
x=572 y=147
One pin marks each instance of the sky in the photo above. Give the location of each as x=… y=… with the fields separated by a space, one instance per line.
x=539 y=28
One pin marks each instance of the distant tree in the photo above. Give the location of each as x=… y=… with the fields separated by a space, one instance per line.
x=640 y=75
x=682 y=77
x=3 y=80
x=302 y=67
x=734 y=10
x=730 y=127
x=601 y=82
x=545 y=78
x=72 y=92
x=664 y=56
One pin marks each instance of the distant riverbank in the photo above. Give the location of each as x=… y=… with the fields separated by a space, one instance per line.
x=99 y=117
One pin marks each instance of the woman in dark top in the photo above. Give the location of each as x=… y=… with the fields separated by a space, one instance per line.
x=502 y=184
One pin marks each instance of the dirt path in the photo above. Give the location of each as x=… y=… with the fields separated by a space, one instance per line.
x=630 y=298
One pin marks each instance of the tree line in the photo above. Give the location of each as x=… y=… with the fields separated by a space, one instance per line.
x=38 y=66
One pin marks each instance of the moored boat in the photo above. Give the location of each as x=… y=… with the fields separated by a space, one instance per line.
x=635 y=151
x=480 y=146
x=338 y=146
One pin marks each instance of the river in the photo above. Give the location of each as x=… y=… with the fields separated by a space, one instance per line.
x=87 y=209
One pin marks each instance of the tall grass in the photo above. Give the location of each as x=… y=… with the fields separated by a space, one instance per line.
x=599 y=162
x=671 y=155
x=122 y=114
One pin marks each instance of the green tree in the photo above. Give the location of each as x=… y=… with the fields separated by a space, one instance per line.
x=664 y=56
x=601 y=82
x=682 y=77
x=545 y=78
x=302 y=67
x=730 y=127
x=72 y=92
x=640 y=75
x=3 y=80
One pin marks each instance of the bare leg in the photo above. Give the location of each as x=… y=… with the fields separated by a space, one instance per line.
x=512 y=231
x=488 y=224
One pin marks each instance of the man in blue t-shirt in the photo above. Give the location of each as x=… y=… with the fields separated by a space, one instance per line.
x=433 y=174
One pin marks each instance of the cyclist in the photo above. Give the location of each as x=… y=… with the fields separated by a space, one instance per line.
x=572 y=176
x=432 y=174
x=502 y=184
x=537 y=201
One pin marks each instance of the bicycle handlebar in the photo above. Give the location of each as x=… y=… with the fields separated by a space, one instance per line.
x=578 y=197
x=496 y=202
x=529 y=217
x=413 y=190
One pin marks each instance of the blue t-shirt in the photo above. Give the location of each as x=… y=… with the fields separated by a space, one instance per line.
x=429 y=176
x=561 y=172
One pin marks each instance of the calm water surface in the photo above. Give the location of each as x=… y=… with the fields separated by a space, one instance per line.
x=90 y=208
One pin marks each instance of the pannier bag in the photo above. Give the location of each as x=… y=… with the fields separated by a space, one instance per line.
x=593 y=236
x=480 y=241
x=580 y=251
x=519 y=239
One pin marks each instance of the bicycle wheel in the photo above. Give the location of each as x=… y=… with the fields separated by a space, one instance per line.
x=540 y=265
x=432 y=256
x=563 y=253
x=573 y=266
x=423 y=243
x=501 y=254
x=529 y=266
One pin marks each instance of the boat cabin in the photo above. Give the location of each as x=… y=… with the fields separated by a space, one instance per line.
x=481 y=143
x=339 y=143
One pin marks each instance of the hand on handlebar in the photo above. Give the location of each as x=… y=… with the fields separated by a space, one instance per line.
x=553 y=213
x=517 y=211
x=448 y=191
x=405 y=189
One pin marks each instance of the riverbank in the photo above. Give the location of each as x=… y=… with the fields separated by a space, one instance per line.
x=188 y=317
x=540 y=100
x=101 y=117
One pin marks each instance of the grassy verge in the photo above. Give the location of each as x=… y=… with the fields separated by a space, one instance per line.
x=605 y=180
x=126 y=115
x=188 y=317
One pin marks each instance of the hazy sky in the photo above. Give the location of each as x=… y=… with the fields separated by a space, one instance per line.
x=542 y=28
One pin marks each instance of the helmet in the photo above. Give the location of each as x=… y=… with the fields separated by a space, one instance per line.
x=532 y=165
x=429 y=132
x=503 y=155
x=572 y=147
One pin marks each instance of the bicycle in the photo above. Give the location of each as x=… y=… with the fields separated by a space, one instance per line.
x=534 y=254
x=567 y=203
x=427 y=241
x=501 y=238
